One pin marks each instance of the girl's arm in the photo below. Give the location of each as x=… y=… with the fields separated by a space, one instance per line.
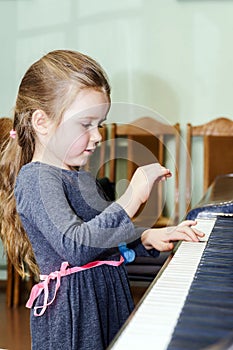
x=162 y=239
x=69 y=217
x=46 y=209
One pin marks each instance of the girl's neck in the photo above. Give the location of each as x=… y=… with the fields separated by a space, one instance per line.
x=49 y=162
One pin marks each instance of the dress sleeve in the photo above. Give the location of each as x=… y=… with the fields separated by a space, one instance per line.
x=42 y=202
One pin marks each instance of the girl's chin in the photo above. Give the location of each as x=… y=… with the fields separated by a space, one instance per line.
x=82 y=161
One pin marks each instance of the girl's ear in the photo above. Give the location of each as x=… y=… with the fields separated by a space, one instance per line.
x=40 y=122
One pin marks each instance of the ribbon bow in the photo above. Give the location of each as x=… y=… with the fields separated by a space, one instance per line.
x=64 y=271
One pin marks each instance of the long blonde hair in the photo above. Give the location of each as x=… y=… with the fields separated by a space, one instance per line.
x=50 y=84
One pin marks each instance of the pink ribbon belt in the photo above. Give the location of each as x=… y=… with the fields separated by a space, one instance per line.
x=64 y=271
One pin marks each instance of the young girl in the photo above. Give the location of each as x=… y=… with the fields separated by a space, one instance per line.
x=65 y=230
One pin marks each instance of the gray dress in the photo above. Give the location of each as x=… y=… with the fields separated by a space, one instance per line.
x=67 y=219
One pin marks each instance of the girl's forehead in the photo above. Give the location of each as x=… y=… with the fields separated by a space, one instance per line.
x=88 y=103
x=90 y=97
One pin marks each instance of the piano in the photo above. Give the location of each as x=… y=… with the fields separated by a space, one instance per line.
x=218 y=197
x=189 y=305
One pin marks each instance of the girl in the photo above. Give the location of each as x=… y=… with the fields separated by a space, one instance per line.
x=65 y=229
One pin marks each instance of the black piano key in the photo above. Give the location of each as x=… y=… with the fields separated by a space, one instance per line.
x=211 y=325
x=185 y=343
x=204 y=310
x=197 y=338
x=207 y=316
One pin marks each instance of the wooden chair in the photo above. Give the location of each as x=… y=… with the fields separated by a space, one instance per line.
x=217 y=139
x=141 y=142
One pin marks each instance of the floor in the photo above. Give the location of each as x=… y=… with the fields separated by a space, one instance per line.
x=14 y=326
x=14 y=322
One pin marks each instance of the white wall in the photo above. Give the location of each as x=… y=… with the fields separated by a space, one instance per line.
x=173 y=57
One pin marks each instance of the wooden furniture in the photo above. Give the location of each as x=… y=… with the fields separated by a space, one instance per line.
x=141 y=142
x=218 y=197
x=13 y=288
x=217 y=138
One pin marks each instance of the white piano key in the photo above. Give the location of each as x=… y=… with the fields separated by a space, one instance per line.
x=156 y=317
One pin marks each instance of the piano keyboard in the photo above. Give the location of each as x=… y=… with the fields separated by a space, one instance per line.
x=157 y=315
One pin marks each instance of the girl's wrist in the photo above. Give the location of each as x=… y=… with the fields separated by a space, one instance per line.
x=145 y=239
x=129 y=203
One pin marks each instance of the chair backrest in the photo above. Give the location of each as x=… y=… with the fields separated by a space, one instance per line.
x=218 y=151
x=141 y=142
x=218 y=156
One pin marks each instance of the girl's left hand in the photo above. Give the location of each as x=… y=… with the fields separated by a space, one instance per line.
x=162 y=238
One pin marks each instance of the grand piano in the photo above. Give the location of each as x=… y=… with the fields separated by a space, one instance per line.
x=189 y=305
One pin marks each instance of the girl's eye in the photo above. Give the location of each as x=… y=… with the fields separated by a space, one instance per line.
x=86 y=125
x=90 y=125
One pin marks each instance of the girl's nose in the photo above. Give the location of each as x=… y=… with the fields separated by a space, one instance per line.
x=95 y=135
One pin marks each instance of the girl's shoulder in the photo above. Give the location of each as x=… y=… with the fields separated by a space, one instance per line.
x=43 y=168
x=32 y=172
x=38 y=171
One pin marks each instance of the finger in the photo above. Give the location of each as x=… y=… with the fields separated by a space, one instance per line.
x=190 y=233
x=165 y=175
x=164 y=246
x=198 y=233
x=184 y=233
x=188 y=223
x=163 y=178
x=180 y=236
x=169 y=174
x=192 y=223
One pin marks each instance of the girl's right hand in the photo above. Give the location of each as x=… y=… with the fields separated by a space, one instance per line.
x=144 y=178
x=140 y=186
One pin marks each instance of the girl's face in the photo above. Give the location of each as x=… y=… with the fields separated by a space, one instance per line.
x=77 y=136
